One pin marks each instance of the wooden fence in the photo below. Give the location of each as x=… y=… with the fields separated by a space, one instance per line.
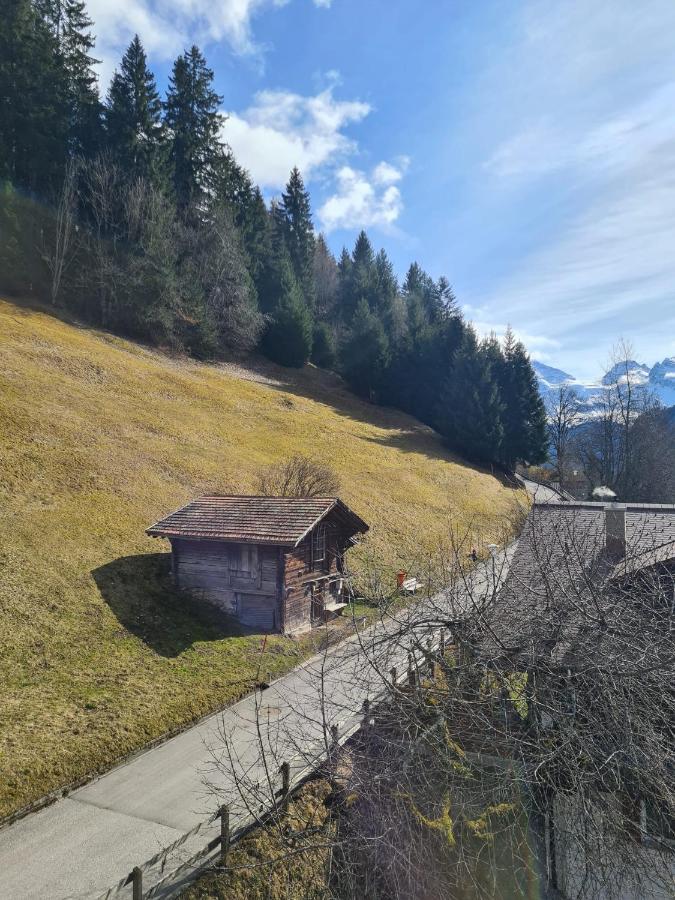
x=230 y=832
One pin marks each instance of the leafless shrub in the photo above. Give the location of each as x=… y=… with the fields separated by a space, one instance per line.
x=299 y=476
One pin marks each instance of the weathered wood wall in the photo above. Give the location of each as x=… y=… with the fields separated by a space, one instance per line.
x=304 y=584
x=240 y=579
x=264 y=587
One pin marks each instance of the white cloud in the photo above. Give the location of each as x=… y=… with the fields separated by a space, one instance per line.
x=363 y=201
x=385 y=173
x=282 y=129
x=167 y=26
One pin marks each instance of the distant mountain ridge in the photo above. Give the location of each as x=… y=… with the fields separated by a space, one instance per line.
x=660 y=379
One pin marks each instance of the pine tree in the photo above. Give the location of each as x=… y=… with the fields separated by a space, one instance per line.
x=344 y=305
x=324 y=352
x=83 y=103
x=444 y=299
x=469 y=414
x=288 y=337
x=194 y=123
x=133 y=116
x=33 y=123
x=386 y=289
x=358 y=278
x=524 y=415
x=365 y=355
x=326 y=280
x=299 y=233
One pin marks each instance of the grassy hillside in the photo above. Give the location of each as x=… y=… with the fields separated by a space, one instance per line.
x=99 y=438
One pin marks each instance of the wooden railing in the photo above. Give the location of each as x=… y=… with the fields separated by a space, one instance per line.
x=231 y=831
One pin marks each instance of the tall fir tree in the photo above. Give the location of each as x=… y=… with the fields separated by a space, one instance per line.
x=344 y=306
x=288 y=336
x=193 y=120
x=386 y=287
x=33 y=122
x=365 y=354
x=299 y=233
x=524 y=415
x=133 y=117
x=469 y=413
x=361 y=278
x=76 y=44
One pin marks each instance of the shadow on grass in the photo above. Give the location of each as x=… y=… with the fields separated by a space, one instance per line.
x=141 y=594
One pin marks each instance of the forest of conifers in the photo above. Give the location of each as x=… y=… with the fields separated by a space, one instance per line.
x=131 y=212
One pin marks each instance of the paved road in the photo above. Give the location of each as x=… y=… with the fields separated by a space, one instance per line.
x=85 y=843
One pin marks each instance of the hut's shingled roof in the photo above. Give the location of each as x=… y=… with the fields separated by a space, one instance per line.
x=281 y=521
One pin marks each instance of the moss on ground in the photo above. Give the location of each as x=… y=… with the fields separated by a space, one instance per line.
x=264 y=866
x=100 y=437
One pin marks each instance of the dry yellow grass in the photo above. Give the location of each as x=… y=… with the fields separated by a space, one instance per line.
x=99 y=437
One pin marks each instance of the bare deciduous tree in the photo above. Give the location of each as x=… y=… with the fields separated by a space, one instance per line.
x=563 y=417
x=299 y=476
x=59 y=255
x=607 y=446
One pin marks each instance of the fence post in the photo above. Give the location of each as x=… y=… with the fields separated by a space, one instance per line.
x=137 y=883
x=411 y=670
x=285 y=785
x=394 y=676
x=430 y=658
x=224 y=834
x=366 y=713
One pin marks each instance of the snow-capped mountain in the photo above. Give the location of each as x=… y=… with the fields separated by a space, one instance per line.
x=622 y=371
x=660 y=380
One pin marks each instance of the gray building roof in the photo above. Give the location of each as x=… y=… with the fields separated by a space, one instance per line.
x=278 y=521
x=563 y=586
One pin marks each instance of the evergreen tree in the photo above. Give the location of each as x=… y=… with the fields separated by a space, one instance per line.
x=344 y=306
x=444 y=299
x=288 y=337
x=33 y=120
x=524 y=415
x=365 y=355
x=194 y=123
x=323 y=346
x=234 y=188
x=82 y=98
x=386 y=289
x=299 y=234
x=425 y=303
x=469 y=414
x=133 y=116
x=363 y=274
x=326 y=280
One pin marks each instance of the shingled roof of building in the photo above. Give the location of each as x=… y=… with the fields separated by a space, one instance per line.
x=280 y=521
x=563 y=576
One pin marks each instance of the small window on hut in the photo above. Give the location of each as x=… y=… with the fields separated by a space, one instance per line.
x=319 y=555
x=245 y=558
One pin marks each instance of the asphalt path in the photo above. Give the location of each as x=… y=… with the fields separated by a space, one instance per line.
x=86 y=843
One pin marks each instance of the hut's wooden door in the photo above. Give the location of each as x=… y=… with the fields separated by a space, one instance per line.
x=259 y=612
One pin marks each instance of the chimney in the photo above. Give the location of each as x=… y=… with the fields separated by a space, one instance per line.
x=615 y=529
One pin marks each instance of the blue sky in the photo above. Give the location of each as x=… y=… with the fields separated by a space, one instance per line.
x=524 y=149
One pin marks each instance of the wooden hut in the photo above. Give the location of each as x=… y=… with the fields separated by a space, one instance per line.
x=273 y=563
